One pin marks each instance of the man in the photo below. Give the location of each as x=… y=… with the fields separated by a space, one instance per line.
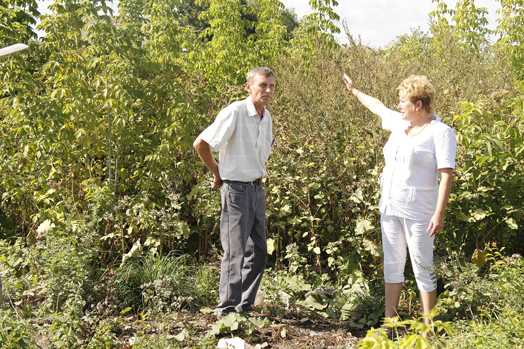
x=242 y=134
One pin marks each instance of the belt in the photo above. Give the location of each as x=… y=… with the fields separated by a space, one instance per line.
x=257 y=181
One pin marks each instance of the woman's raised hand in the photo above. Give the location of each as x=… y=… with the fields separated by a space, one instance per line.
x=349 y=83
x=374 y=105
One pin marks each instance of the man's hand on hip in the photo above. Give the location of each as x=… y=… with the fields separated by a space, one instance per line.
x=204 y=151
x=217 y=182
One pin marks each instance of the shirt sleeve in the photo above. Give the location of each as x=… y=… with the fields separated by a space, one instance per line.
x=446 y=148
x=392 y=121
x=218 y=133
x=266 y=141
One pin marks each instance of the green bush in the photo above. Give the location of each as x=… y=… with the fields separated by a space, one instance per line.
x=468 y=291
x=498 y=323
x=56 y=270
x=14 y=331
x=485 y=204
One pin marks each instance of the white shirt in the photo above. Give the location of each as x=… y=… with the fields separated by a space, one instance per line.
x=242 y=139
x=409 y=182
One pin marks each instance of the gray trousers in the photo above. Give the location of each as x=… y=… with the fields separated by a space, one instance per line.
x=243 y=237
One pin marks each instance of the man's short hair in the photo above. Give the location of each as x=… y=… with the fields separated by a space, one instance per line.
x=258 y=71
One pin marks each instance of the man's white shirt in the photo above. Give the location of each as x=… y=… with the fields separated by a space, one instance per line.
x=242 y=139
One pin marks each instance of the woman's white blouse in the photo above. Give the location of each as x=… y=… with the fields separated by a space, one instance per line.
x=409 y=182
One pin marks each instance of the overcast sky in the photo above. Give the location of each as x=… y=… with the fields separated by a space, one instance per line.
x=378 y=22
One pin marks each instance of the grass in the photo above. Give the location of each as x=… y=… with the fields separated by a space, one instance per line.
x=173 y=281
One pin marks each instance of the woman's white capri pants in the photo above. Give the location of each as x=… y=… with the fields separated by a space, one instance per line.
x=397 y=233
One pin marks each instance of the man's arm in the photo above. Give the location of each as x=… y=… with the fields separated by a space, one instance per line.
x=204 y=151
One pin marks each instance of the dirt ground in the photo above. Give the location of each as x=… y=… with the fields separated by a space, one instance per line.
x=302 y=330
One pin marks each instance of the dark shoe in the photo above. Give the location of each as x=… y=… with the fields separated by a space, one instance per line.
x=246 y=309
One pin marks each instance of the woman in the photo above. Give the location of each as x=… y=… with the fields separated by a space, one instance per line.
x=412 y=205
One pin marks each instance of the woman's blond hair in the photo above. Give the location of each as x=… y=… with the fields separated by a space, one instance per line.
x=419 y=88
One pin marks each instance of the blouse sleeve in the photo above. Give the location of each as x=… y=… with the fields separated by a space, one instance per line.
x=392 y=121
x=446 y=148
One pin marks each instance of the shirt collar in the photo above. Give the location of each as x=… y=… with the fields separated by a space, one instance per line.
x=251 y=108
x=434 y=118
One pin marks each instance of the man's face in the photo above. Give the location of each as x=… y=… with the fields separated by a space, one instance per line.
x=261 y=89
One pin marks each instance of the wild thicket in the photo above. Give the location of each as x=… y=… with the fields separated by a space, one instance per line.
x=98 y=119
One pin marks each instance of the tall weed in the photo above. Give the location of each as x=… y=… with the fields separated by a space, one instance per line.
x=165 y=283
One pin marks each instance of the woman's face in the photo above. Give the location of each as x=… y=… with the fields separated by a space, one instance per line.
x=408 y=109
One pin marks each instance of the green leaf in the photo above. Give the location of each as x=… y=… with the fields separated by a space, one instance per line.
x=271 y=246
x=512 y=224
x=479 y=214
x=312 y=302
x=207 y=310
x=331 y=313
x=182 y=335
x=216 y=328
x=363 y=226
x=357 y=196
x=356 y=325
x=463 y=217
x=258 y=321
x=296 y=284
x=479 y=257
x=372 y=248
x=357 y=285
x=184 y=227
x=482 y=160
x=152 y=241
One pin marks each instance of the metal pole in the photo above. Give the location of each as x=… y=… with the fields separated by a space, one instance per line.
x=6 y=51
x=9 y=50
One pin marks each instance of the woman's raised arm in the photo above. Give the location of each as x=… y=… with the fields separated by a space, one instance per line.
x=374 y=105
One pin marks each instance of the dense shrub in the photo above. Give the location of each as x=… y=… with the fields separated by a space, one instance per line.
x=98 y=119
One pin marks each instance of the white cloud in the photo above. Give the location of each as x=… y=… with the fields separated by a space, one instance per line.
x=378 y=22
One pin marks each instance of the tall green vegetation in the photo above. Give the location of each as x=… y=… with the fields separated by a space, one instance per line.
x=99 y=182
x=17 y=19
x=100 y=115
x=510 y=33
x=98 y=125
